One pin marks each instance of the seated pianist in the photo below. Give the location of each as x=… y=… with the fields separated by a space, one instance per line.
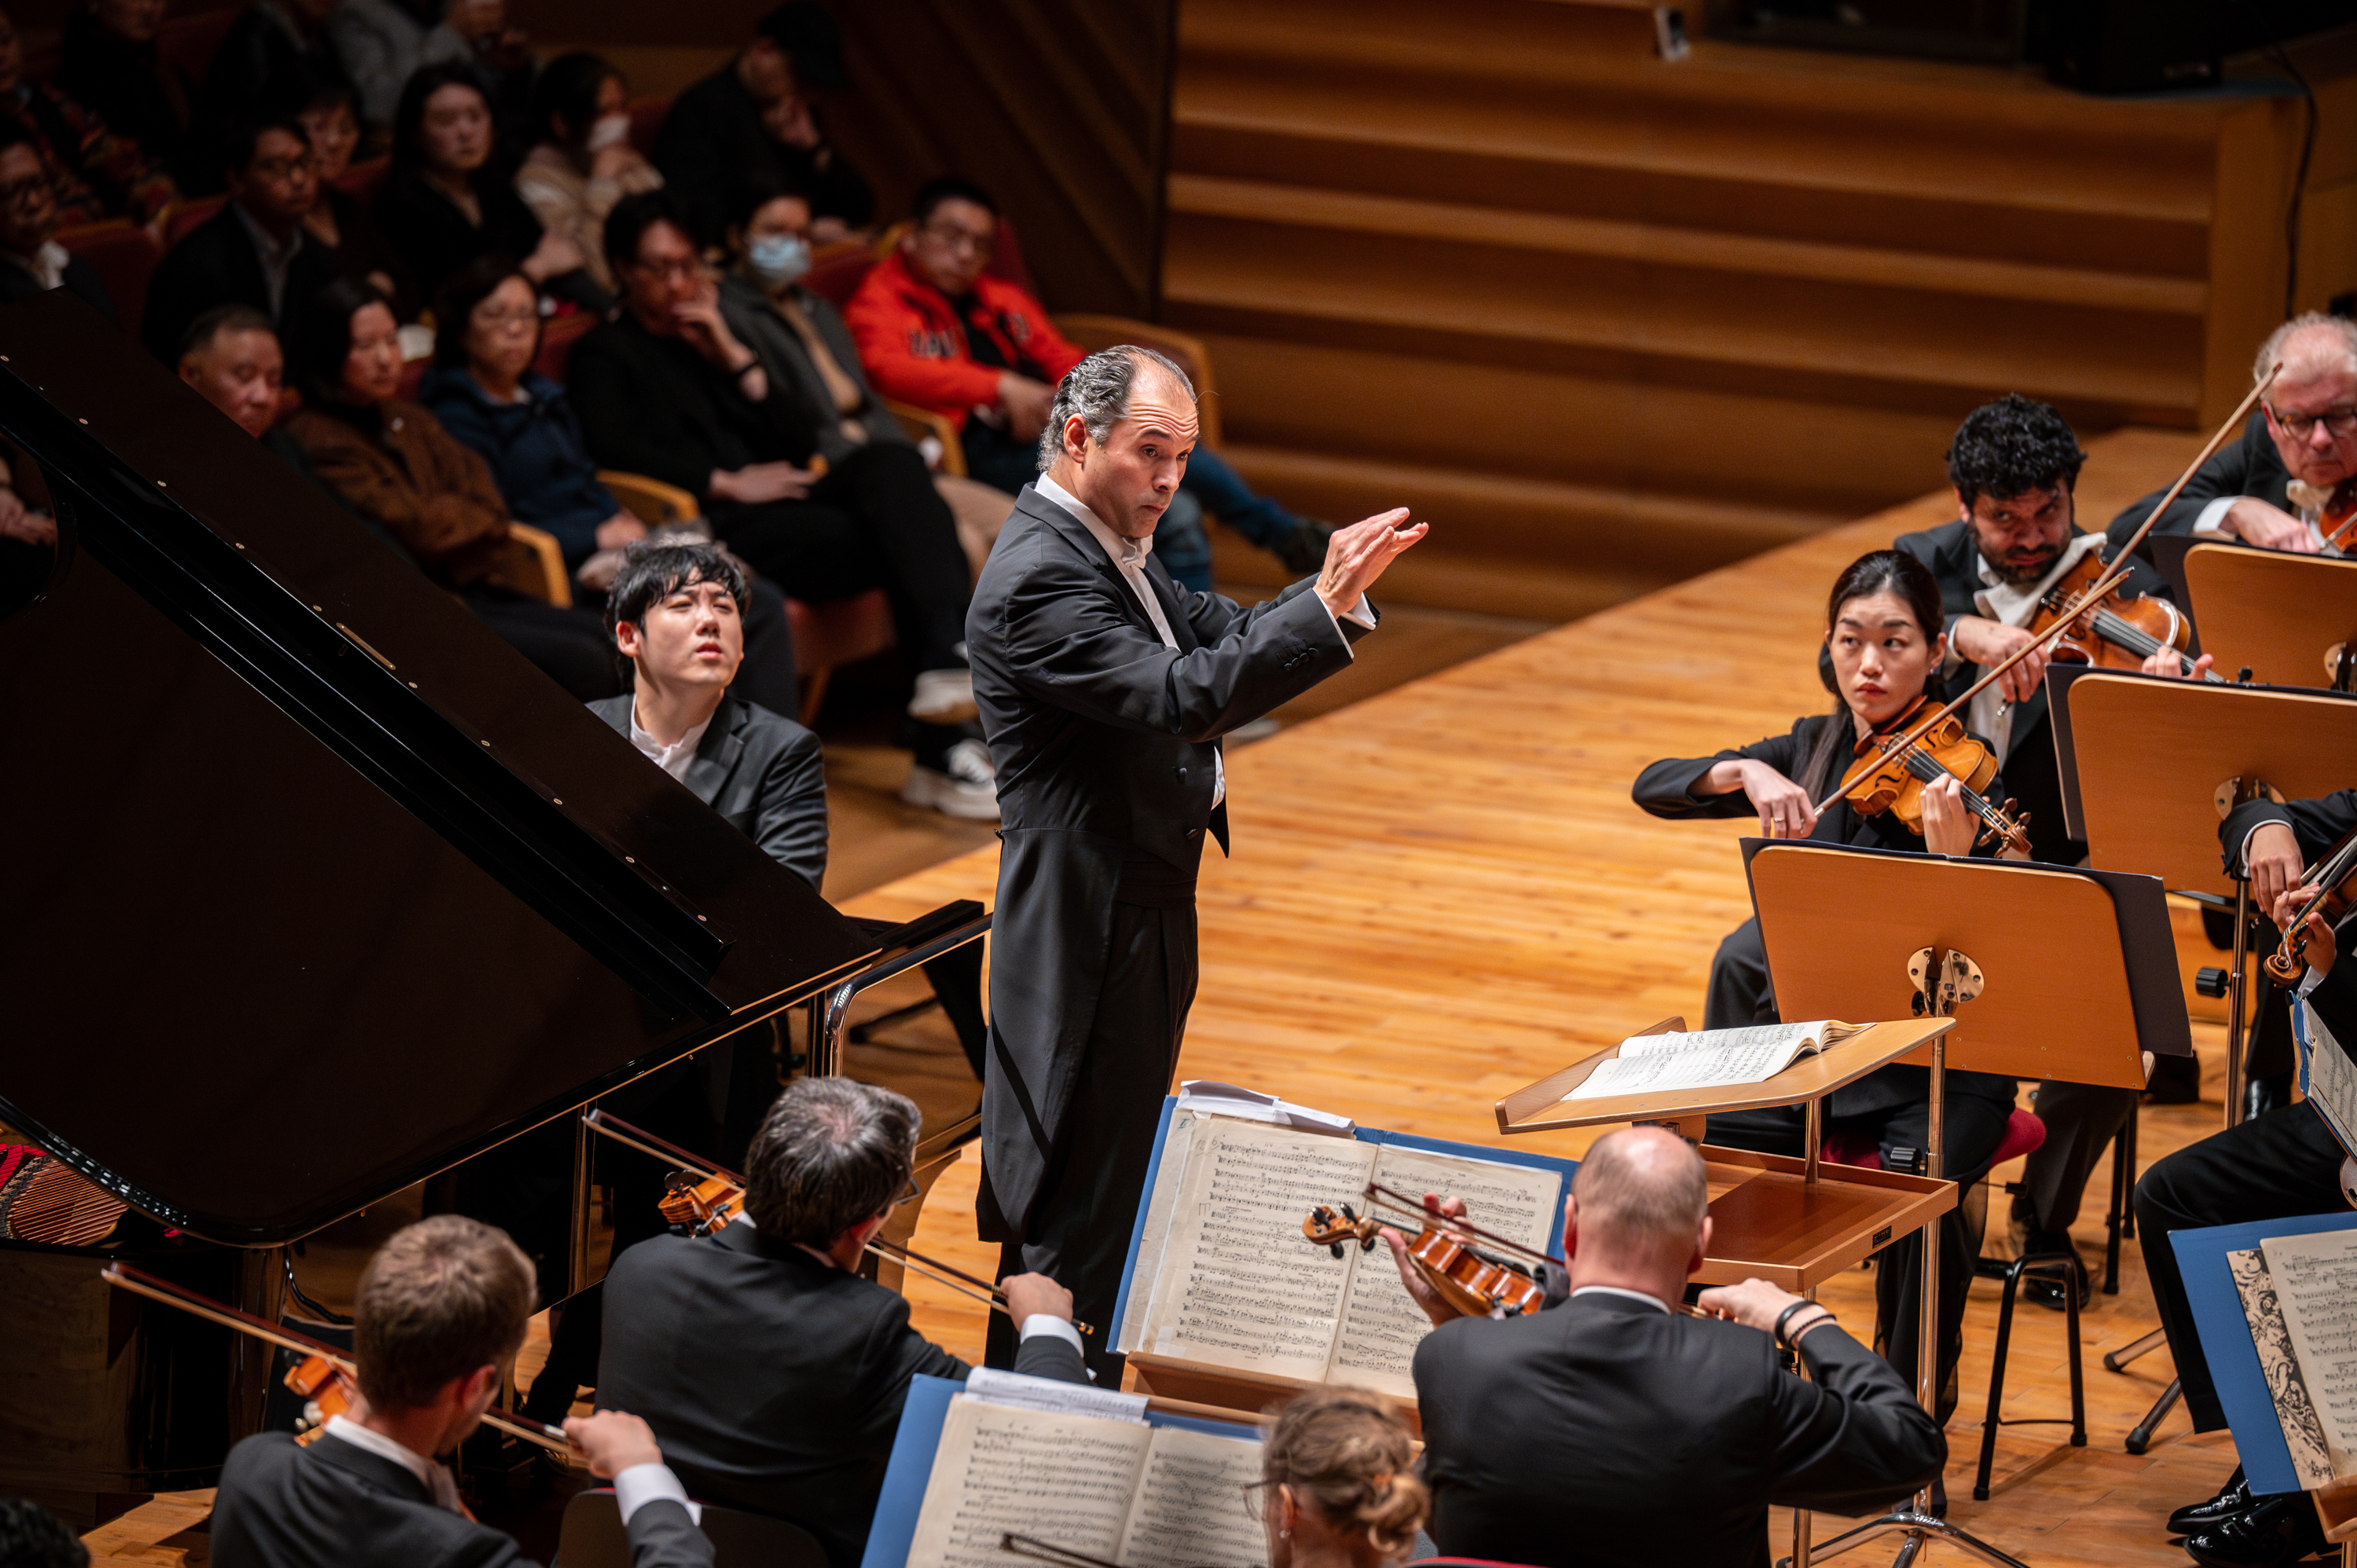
x=772 y=1373
x=440 y=1315
x=1605 y=1429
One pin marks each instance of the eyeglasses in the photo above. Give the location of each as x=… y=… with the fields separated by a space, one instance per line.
x=692 y=268
x=956 y=238
x=909 y=1194
x=279 y=168
x=1255 y=1494
x=17 y=190
x=2338 y=422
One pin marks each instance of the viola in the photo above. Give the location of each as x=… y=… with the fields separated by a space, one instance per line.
x=2331 y=888
x=2115 y=629
x=1889 y=776
x=1477 y=1285
x=2335 y=511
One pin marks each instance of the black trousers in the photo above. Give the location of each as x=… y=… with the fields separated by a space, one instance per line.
x=2274 y=1166
x=1080 y=1227
x=874 y=522
x=2082 y=1119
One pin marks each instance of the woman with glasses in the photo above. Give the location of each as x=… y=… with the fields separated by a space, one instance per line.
x=1338 y=1487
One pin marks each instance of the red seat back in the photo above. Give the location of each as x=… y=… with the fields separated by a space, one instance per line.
x=556 y=342
x=189 y=215
x=124 y=256
x=837 y=271
x=362 y=181
x=647 y=117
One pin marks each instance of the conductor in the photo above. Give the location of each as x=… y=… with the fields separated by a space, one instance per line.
x=1105 y=691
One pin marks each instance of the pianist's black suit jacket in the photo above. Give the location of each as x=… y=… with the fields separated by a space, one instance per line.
x=336 y=1505
x=773 y=1381
x=1604 y=1433
x=763 y=773
x=1105 y=743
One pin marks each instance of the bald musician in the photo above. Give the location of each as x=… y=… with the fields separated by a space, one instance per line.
x=1608 y=1430
x=1104 y=692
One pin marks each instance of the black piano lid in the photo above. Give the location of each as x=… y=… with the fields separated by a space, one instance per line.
x=315 y=886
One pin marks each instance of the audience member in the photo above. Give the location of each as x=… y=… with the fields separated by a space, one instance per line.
x=582 y=162
x=938 y=332
x=754 y=117
x=31 y=260
x=391 y=460
x=93 y=172
x=439 y=1316
x=448 y=199
x=806 y=352
x=339 y=223
x=253 y=250
x=271 y=43
x=475 y=34
x=668 y=390
x=1339 y=1488
x=113 y=66
x=31 y=1537
x=1606 y=1430
x=379 y=43
x=773 y=1374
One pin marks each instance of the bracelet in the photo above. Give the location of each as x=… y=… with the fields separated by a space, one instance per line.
x=1811 y=1324
x=1777 y=1333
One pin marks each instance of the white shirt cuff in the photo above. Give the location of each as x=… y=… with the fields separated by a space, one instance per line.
x=2242 y=855
x=640 y=1485
x=1362 y=613
x=2207 y=525
x=1045 y=1323
x=2310 y=981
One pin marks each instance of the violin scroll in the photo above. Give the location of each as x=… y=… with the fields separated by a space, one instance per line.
x=1323 y=1228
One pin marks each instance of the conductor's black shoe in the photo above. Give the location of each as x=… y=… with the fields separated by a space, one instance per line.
x=2270 y=1533
x=2262 y=1095
x=2232 y=1498
x=2175 y=1080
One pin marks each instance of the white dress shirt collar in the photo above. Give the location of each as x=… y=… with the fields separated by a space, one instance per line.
x=1656 y=1303
x=435 y=1477
x=674 y=758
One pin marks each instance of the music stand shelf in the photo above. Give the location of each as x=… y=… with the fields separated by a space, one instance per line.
x=1226 y=1390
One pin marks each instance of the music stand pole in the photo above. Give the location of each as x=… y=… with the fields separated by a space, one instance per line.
x=2237 y=989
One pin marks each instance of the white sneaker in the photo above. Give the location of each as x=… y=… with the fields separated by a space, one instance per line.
x=965 y=786
x=943 y=697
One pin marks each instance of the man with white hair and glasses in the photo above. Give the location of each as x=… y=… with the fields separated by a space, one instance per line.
x=1104 y=692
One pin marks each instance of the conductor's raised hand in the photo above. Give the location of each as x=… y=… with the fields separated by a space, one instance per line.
x=1029 y=1296
x=1356 y=556
x=1419 y=1289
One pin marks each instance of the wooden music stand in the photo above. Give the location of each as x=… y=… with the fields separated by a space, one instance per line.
x=2028 y=961
x=2216 y=741
x=2291 y=619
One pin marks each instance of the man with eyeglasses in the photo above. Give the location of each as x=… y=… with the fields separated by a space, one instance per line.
x=936 y=329
x=254 y=251
x=771 y=1374
x=29 y=229
x=2295 y=458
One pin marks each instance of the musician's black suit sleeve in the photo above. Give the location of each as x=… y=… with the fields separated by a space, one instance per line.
x=2317 y=824
x=2247 y=465
x=663 y=1536
x=1851 y=1432
x=1666 y=787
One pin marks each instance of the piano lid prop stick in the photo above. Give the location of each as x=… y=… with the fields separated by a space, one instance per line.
x=122 y=1276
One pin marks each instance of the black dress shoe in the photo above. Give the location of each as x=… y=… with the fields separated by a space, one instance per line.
x=2262 y=1095
x=2047 y=1292
x=2270 y=1533
x=2232 y=1498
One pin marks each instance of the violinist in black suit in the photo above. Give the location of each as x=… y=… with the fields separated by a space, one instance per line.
x=1104 y=692
x=440 y=1315
x=1608 y=1431
x=2302 y=440
x=1882 y=626
x=772 y=1373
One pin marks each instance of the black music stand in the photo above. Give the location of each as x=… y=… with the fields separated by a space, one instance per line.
x=2050 y=972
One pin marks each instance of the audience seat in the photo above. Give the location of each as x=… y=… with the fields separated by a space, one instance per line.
x=592 y=1537
x=920 y=423
x=840 y=632
x=556 y=583
x=556 y=340
x=190 y=42
x=837 y=270
x=124 y=256
x=187 y=215
x=647 y=117
x=362 y=181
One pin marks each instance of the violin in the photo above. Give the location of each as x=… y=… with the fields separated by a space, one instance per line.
x=1475 y=1283
x=2114 y=631
x=2333 y=511
x=699 y=1204
x=2331 y=888
x=1889 y=776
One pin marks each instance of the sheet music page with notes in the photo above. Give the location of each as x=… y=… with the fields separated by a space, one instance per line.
x=2303 y=1434
x=1154 y=1238
x=1707 y=1059
x=1239 y=1286
x=1190 y=1512
x=1381 y=1326
x=1066 y=1479
x=2314 y=1279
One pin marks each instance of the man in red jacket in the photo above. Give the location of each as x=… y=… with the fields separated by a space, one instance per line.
x=935 y=330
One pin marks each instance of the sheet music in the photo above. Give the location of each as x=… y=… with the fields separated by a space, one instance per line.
x=1053 y=1395
x=1240 y=1286
x=2303 y=1434
x=2316 y=1284
x=2327 y=1077
x=1063 y=1478
x=1154 y=1240
x=1190 y=1512
x=1381 y=1325
x=1705 y=1059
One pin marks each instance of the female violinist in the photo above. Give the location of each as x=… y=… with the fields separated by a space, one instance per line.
x=1882 y=629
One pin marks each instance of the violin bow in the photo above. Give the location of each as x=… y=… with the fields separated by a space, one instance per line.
x=646 y=1143
x=122 y=1276
x=2114 y=575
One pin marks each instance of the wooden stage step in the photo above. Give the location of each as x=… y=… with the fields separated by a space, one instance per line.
x=1443 y=893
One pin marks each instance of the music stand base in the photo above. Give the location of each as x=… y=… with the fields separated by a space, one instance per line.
x=1919 y=1528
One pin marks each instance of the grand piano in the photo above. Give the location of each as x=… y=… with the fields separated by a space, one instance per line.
x=316 y=889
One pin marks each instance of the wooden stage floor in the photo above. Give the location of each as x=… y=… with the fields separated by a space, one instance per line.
x=1444 y=892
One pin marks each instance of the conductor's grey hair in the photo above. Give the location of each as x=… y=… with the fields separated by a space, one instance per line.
x=832 y=1154
x=1097 y=388
x=1641 y=1188
x=2342 y=334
